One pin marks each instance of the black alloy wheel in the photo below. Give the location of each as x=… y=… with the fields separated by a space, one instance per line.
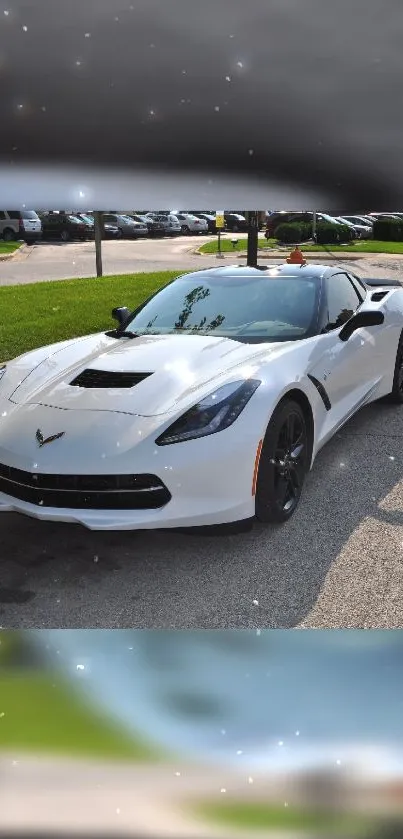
x=396 y=395
x=284 y=462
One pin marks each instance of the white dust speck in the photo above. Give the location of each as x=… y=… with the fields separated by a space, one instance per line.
x=391 y=457
x=285 y=803
x=223 y=731
x=96 y=558
x=4 y=414
x=177 y=774
x=250 y=152
x=87 y=35
x=250 y=780
x=78 y=63
x=239 y=64
x=216 y=107
x=41 y=503
x=239 y=752
x=80 y=667
x=116 y=19
x=2 y=714
x=118 y=810
x=232 y=36
x=57 y=601
x=43 y=108
x=20 y=107
x=25 y=28
x=6 y=12
x=151 y=113
x=255 y=602
x=228 y=78
x=338 y=762
x=281 y=743
x=342 y=465
x=297 y=733
x=81 y=194
x=223 y=789
x=184 y=72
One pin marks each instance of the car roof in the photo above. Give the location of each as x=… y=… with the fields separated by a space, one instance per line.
x=284 y=269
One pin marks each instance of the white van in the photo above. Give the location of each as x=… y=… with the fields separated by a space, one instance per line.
x=20 y=224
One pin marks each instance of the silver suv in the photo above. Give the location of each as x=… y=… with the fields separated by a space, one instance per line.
x=20 y=224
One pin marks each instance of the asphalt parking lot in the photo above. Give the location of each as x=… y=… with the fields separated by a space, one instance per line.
x=338 y=562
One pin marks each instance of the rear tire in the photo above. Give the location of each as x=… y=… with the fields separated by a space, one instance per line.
x=65 y=236
x=9 y=235
x=284 y=462
x=396 y=395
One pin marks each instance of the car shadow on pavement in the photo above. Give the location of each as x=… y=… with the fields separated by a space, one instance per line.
x=337 y=562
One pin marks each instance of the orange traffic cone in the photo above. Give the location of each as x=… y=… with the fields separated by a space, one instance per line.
x=296 y=257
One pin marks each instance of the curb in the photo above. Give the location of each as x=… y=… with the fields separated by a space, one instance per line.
x=6 y=256
x=280 y=255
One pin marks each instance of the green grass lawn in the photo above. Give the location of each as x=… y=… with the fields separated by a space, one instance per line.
x=265 y=817
x=41 y=313
x=370 y=246
x=9 y=247
x=42 y=714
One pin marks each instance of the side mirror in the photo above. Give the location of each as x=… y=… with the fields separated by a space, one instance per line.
x=361 y=321
x=121 y=314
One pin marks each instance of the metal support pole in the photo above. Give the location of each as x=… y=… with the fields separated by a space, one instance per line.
x=98 y=229
x=314 y=236
x=253 y=238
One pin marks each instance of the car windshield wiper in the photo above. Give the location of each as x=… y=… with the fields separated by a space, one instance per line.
x=121 y=333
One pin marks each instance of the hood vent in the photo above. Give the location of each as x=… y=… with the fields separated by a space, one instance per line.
x=108 y=379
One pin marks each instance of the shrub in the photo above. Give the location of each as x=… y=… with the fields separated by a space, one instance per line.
x=333 y=234
x=388 y=230
x=291 y=233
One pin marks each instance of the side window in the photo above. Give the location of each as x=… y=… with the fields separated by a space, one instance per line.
x=14 y=214
x=342 y=300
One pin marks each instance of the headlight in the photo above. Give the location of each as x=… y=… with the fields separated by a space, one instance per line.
x=2 y=371
x=214 y=413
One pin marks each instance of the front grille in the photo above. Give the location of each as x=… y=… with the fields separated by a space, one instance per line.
x=78 y=492
x=108 y=379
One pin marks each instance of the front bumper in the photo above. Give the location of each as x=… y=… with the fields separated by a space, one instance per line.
x=208 y=481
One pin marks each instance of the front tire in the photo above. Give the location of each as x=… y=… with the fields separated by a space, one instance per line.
x=284 y=462
x=65 y=236
x=396 y=394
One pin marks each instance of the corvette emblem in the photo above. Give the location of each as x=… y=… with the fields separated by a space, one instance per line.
x=42 y=441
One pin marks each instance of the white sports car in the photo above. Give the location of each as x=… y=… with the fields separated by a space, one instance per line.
x=206 y=406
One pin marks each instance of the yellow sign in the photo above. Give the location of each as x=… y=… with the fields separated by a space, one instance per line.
x=219 y=219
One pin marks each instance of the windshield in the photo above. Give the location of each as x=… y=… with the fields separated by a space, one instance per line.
x=267 y=308
x=86 y=218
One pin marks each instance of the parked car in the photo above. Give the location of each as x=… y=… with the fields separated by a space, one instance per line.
x=192 y=224
x=363 y=231
x=209 y=218
x=128 y=228
x=155 y=228
x=267 y=383
x=65 y=226
x=235 y=223
x=171 y=223
x=20 y=224
x=367 y=221
x=111 y=231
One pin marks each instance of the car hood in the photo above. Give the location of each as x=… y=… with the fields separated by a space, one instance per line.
x=183 y=369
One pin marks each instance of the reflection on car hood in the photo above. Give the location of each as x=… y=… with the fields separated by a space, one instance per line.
x=183 y=368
